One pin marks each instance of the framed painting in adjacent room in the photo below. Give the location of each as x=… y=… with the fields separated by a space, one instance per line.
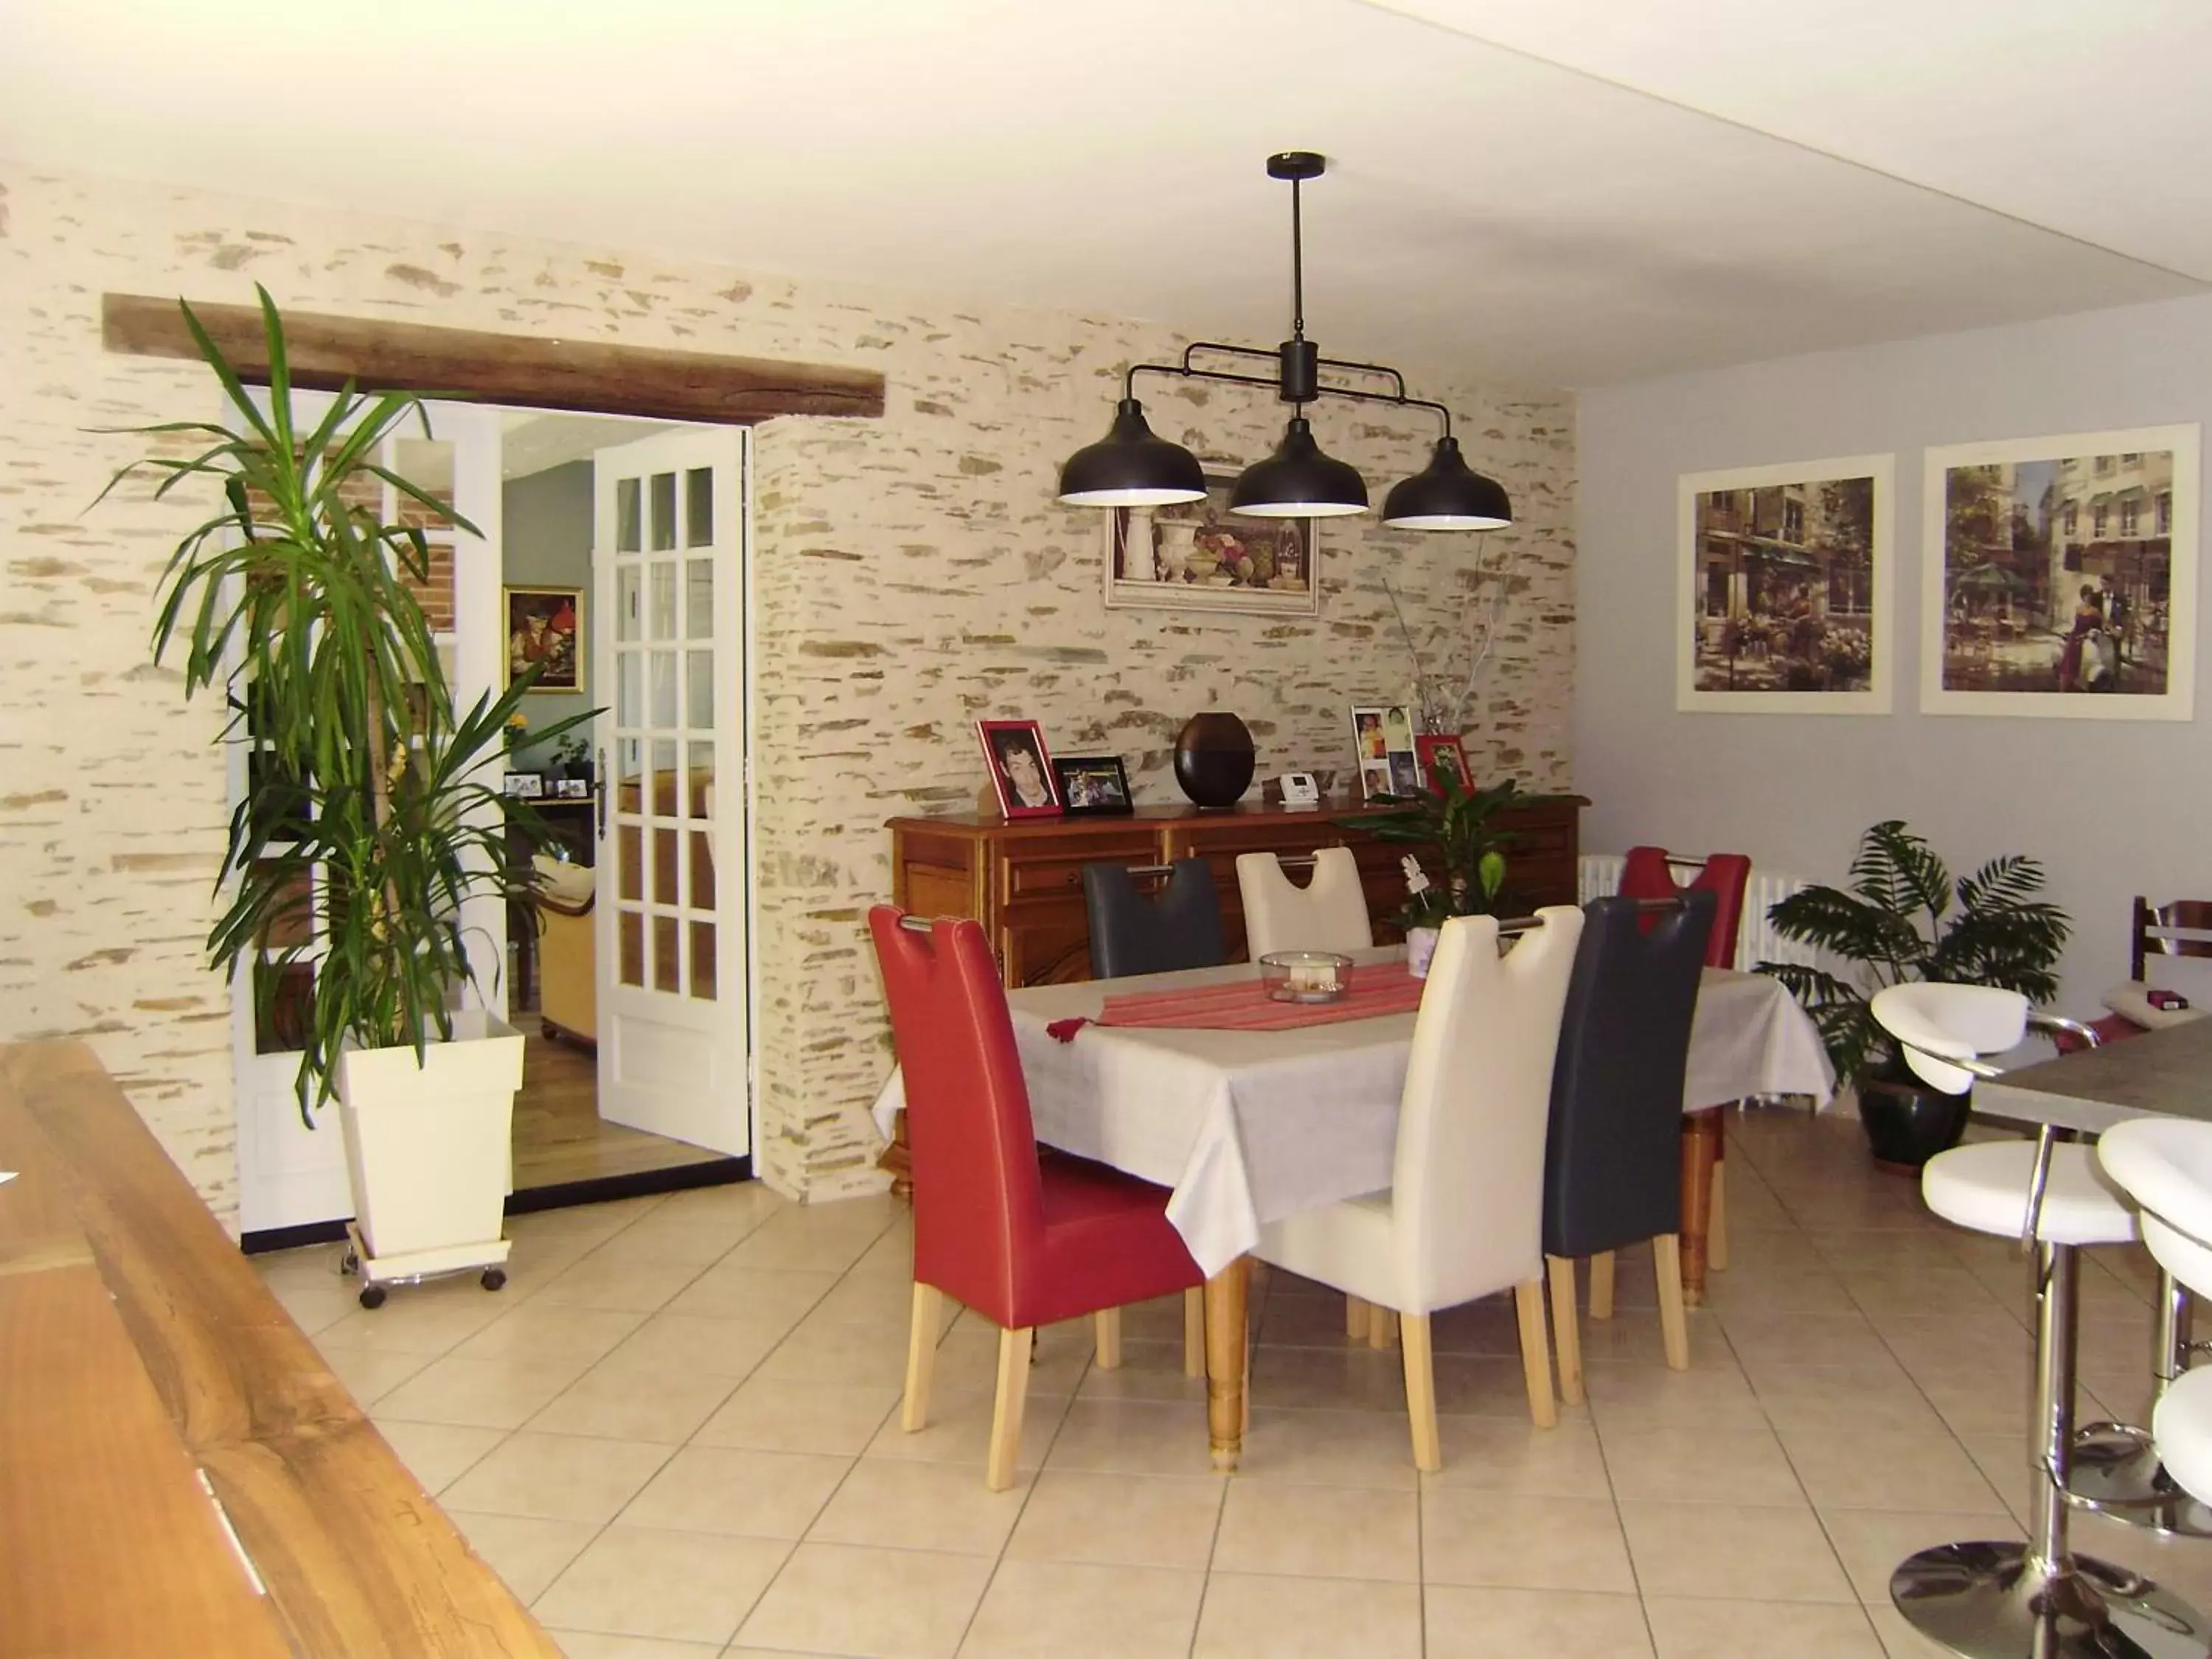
x=1784 y=589
x=2059 y=576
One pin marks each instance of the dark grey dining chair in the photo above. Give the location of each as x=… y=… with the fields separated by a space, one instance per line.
x=1133 y=932
x=1612 y=1158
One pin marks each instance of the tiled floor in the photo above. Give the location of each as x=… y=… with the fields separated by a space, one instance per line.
x=675 y=1434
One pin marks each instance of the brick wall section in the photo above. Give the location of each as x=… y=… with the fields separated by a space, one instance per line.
x=910 y=574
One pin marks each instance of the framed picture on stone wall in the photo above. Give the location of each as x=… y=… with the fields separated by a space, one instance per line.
x=1784 y=588
x=2059 y=576
x=1196 y=555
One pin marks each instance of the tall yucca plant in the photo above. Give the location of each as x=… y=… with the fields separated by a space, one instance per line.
x=1896 y=923
x=368 y=815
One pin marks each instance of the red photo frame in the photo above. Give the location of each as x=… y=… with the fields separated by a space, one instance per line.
x=1435 y=749
x=1021 y=767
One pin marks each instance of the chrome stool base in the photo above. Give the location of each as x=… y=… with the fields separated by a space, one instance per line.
x=2116 y=1472
x=1988 y=1601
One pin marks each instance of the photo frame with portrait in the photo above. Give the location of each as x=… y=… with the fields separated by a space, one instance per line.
x=1382 y=746
x=1442 y=757
x=1092 y=785
x=1020 y=767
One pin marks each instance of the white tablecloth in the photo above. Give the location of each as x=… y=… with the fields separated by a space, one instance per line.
x=1248 y=1126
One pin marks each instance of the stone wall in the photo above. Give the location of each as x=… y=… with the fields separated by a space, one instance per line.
x=910 y=574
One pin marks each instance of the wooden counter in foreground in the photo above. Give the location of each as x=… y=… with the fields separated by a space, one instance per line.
x=139 y=1349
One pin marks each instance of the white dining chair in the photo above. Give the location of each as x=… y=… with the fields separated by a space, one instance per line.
x=1462 y=1217
x=1329 y=913
x=1990 y=1596
x=2165 y=1165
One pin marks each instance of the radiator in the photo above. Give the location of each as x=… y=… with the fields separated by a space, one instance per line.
x=1598 y=875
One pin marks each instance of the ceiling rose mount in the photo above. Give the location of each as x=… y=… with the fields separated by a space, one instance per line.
x=1134 y=467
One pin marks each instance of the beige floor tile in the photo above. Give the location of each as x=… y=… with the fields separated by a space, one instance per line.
x=1052 y=1609
x=491 y=1393
x=582 y=1644
x=369 y=1374
x=1248 y=1617
x=890 y=1504
x=1930 y=1289
x=1758 y=1630
x=1653 y=1397
x=1482 y=1386
x=958 y=1430
x=1320 y=1532
x=1779 y=1290
x=968 y=1358
x=1331 y=1448
x=1496 y=1453
x=1119 y=1520
x=1634 y=1336
x=1867 y=1398
x=678 y=1586
x=691 y=1238
x=1871 y=1542
x=1151 y=1369
x=555 y=1334
x=871 y=1603
x=1922 y=1472
x=1802 y=1339
x=767 y=1415
x=1766 y=1555
x=557 y=1477
x=1129 y=1436
x=688 y=1345
x=526 y=1552
x=436 y=1454
x=1516 y=1542
x=736 y=1492
x=827 y=1352
x=1962 y=1340
x=790 y=1239
x=1469 y=1622
x=619 y=1283
x=428 y=1319
x=726 y=1290
x=1899 y=1639
x=877 y=1301
x=1740 y=1463
x=617 y=1403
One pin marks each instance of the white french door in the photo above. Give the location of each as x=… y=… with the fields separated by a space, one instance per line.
x=289 y=1175
x=669 y=566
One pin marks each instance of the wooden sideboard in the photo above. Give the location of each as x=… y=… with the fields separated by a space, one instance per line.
x=1024 y=880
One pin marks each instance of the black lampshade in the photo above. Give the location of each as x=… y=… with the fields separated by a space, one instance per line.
x=1448 y=494
x=1130 y=467
x=1298 y=482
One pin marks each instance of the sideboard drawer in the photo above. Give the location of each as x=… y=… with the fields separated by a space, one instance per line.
x=1051 y=865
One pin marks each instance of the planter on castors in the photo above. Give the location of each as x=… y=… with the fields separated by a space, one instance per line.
x=428 y=1153
x=1907 y=1123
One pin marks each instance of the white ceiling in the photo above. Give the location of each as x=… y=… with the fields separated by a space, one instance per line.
x=1554 y=191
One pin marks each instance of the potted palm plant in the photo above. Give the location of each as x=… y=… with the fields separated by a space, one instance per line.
x=373 y=809
x=1904 y=918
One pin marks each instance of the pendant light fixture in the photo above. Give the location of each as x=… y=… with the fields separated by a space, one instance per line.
x=1133 y=467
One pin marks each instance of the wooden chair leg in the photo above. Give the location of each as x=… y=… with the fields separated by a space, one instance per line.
x=1006 y=1408
x=1535 y=1352
x=1382 y=1325
x=1193 y=1331
x=1421 y=1391
x=1566 y=1328
x=1602 y=1285
x=1108 y=1321
x=921 y=1354
x=1355 y=1318
x=1674 y=1326
x=1716 y=1253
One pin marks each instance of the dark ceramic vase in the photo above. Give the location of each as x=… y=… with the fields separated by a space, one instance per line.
x=1906 y=1121
x=1213 y=760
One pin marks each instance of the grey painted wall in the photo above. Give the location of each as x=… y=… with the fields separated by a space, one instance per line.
x=2111 y=808
x=549 y=545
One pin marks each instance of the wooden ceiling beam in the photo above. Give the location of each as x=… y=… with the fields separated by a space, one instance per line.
x=536 y=373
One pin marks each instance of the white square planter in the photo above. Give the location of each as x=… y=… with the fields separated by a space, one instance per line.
x=428 y=1153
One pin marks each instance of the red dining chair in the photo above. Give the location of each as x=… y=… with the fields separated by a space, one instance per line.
x=1648 y=872
x=1023 y=1243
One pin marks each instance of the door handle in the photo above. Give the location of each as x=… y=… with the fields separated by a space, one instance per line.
x=603 y=781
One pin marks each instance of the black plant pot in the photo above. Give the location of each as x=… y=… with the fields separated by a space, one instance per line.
x=1906 y=1121
x=1213 y=760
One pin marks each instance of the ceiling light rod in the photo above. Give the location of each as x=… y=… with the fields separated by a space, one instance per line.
x=1188 y=370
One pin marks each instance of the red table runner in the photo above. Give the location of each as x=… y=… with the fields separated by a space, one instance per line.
x=1245 y=1006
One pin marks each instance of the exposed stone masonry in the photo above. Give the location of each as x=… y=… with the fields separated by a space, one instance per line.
x=911 y=575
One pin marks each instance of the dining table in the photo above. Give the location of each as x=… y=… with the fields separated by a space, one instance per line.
x=1247 y=1127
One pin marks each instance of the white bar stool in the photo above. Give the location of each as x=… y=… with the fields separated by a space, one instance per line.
x=2165 y=1165
x=2037 y=1600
